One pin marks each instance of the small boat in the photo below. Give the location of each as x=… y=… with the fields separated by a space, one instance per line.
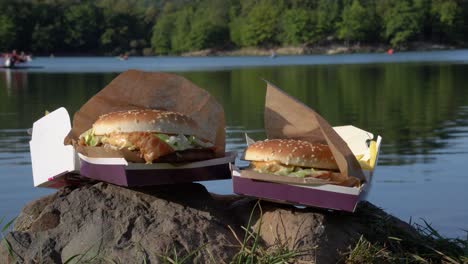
x=10 y=60
x=122 y=57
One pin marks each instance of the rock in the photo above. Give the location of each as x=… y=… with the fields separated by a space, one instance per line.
x=107 y=222
x=31 y=212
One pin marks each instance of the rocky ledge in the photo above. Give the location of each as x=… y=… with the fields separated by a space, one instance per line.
x=107 y=223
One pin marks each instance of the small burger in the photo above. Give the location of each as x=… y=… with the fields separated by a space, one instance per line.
x=294 y=158
x=149 y=136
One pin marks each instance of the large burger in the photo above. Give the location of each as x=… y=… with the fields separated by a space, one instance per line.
x=294 y=158
x=150 y=136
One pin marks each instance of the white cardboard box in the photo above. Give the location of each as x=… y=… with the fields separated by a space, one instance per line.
x=326 y=196
x=55 y=164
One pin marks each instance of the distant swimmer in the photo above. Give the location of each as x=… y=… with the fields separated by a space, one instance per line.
x=273 y=54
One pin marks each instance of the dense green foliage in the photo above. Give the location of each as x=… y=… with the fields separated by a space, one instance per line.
x=172 y=27
x=356 y=22
x=7 y=33
x=401 y=22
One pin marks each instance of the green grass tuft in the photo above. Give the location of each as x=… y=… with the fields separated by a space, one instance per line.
x=366 y=252
x=389 y=244
x=172 y=256
x=5 y=228
x=447 y=250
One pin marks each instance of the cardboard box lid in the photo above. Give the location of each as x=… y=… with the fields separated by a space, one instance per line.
x=288 y=118
x=49 y=156
x=355 y=138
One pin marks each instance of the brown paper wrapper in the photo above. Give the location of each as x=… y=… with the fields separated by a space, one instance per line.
x=286 y=117
x=135 y=89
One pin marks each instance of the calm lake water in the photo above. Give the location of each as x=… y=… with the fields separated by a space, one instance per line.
x=418 y=103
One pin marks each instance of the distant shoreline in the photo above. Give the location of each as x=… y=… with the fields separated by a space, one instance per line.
x=330 y=49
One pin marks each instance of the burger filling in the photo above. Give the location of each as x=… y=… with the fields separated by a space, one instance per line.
x=278 y=168
x=150 y=145
x=275 y=167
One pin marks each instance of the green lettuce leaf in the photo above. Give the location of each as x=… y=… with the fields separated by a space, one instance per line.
x=90 y=139
x=182 y=142
x=301 y=173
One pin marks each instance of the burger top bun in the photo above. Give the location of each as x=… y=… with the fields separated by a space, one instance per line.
x=145 y=120
x=292 y=152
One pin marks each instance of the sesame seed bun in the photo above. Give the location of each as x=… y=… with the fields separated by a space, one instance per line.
x=145 y=120
x=292 y=152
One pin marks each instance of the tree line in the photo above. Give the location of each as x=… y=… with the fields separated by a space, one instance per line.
x=145 y=27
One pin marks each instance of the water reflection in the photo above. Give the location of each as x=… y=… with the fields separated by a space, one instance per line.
x=14 y=81
x=415 y=107
x=20 y=106
x=14 y=147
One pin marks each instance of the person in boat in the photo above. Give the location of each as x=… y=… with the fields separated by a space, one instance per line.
x=18 y=57
x=23 y=56
x=11 y=59
x=123 y=56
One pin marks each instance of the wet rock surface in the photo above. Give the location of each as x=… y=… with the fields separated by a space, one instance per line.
x=103 y=222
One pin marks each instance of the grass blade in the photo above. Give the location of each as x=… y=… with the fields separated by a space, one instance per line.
x=71 y=258
x=259 y=228
x=197 y=250
x=7 y=225
x=176 y=256
x=418 y=258
x=234 y=234
x=7 y=245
